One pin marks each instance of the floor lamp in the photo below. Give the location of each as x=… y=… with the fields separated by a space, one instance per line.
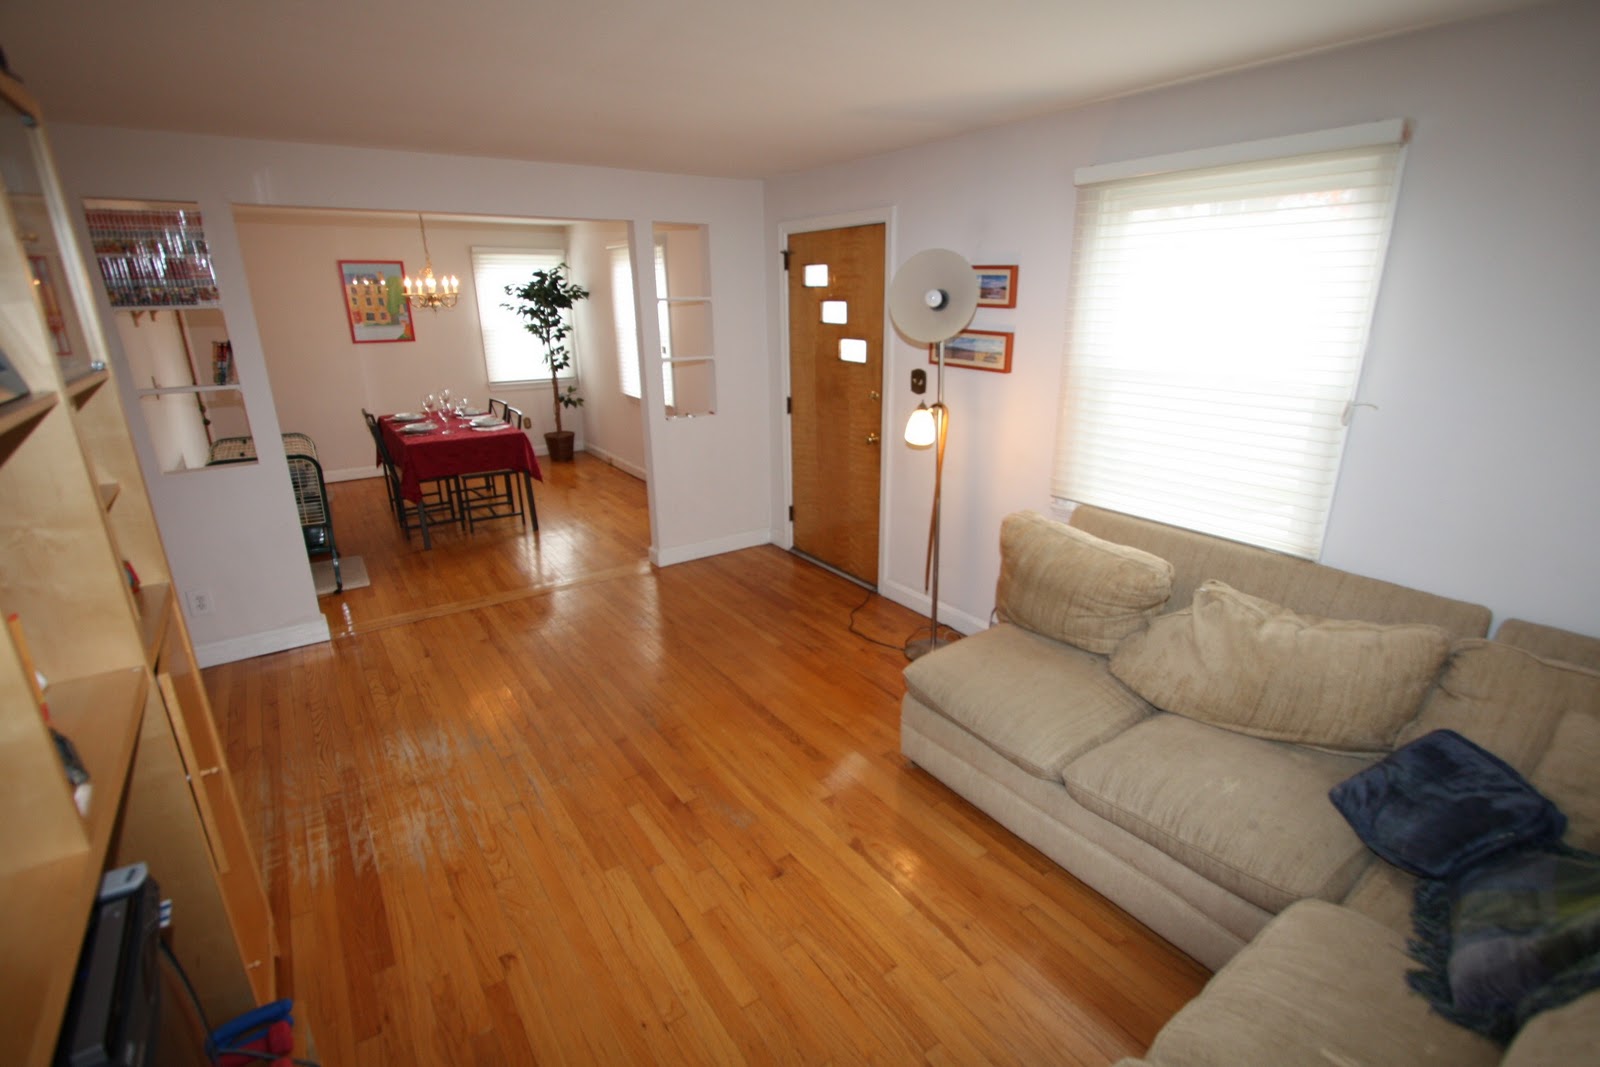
x=931 y=299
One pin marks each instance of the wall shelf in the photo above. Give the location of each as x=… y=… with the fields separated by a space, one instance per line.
x=27 y=409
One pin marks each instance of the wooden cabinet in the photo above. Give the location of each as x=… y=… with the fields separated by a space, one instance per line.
x=122 y=680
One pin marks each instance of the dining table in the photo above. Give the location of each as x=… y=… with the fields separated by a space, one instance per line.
x=452 y=446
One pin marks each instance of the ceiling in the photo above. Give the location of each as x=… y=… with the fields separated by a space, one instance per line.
x=732 y=88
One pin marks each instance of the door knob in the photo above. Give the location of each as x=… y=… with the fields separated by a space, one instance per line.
x=874 y=395
x=872 y=438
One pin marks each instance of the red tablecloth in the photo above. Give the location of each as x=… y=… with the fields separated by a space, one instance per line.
x=436 y=454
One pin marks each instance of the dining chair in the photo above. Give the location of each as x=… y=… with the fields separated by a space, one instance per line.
x=487 y=495
x=438 y=496
x=390 y=484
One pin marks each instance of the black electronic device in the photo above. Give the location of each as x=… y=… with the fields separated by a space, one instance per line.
x=116 y=996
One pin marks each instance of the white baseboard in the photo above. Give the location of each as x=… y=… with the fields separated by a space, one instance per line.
x=733 y=543
x=918 y=601
x=236 y=648
x=621 y=464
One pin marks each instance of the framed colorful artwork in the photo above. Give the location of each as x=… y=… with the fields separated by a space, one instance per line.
x=979 y=350
x=375 y=302
x=997 y=286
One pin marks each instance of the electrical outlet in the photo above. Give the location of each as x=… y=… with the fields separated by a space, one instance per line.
x=200 y=602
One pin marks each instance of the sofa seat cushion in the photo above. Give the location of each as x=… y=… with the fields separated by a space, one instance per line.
x=1249 y=665
x=1320 y=985
x=1070 y=585
x=1252 y=816
x=1035 y=701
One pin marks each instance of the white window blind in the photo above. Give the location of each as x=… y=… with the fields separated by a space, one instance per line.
x=510 y=353
x=1219 y=319
x=624 y=320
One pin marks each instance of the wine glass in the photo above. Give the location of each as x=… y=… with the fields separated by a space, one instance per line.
x=463 y=405
x=430 y=404
x=444 y=399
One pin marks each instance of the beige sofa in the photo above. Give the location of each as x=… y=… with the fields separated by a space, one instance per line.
x=1213 y=825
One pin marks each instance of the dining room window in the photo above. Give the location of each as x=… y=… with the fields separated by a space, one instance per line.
x=511 y=354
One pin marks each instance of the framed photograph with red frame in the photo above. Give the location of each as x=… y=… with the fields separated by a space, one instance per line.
x=997 y=286
x=375 y=303
x=978 y=350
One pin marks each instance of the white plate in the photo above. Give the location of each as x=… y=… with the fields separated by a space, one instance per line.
x=489 y=429
x=407 y=416
x=417 y=427
x=487 y=422
x=474 y=411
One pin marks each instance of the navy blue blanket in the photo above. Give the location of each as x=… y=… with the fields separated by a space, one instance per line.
x=1441 y=805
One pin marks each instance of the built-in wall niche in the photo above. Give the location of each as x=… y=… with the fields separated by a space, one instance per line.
x=181 y=365
x=688 y=354
x=155 y=264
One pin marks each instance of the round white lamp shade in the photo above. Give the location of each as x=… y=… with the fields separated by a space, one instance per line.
x=933 y=296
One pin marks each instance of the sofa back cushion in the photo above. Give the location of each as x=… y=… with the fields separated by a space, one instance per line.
x=1073 y=586
x=1540 y=715
x=1251 y=666
x=1551 y=642
x=1297 y=584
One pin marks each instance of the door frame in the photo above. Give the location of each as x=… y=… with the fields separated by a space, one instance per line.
x=784 y=529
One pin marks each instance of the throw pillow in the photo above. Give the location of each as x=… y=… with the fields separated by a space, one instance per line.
x=1074 y=587
x=1511 y=937
x=1441 y=804
x=1251 y=666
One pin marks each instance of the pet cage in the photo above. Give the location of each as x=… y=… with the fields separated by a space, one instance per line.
x=316 y=518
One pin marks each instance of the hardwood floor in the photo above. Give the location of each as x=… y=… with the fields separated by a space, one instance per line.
x=540 y=803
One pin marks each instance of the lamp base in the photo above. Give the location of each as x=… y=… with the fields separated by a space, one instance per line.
x=921 y=646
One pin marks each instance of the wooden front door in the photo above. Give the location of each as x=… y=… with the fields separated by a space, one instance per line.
x=836 y=394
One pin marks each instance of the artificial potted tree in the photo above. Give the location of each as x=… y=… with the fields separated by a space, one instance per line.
x=543 y=302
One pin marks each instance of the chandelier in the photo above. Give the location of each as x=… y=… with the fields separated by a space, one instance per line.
x=426 y=290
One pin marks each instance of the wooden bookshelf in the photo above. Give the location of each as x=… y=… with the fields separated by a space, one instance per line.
x=120 y=679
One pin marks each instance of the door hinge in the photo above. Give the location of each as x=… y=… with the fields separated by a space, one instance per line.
x=788 y=405
x=791 y=512
x=785 y=254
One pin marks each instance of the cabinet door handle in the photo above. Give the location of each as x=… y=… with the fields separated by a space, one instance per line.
x=872 y=438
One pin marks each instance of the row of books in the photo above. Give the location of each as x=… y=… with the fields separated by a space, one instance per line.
x=158 y=281
x=117 y=231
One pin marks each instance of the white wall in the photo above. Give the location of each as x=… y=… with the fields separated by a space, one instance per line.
x=1473 y=474
x=235 y=533
x=613 y=422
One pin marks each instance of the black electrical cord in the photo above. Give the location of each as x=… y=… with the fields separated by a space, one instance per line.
x=212 y=1052
x=858 y=633
x=886 y=644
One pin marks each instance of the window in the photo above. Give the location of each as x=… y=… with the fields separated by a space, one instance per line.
x=626 y=325
x=510 y=353
x=664 y=323
x=624 y=320
x=1219 y=318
